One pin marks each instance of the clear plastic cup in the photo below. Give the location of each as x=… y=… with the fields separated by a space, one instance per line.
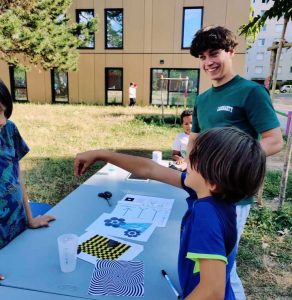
x=157 y=156
x=67 y=245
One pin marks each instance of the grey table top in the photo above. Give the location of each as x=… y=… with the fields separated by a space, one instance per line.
x=30 y=262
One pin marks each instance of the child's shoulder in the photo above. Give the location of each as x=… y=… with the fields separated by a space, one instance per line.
x=209 y=206
x=10 y=126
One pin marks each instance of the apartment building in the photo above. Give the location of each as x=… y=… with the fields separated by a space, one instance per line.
x=137 y=41
x=258 y=57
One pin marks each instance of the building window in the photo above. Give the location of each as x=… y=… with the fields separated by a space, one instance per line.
x=279 y=27
x=264 y=28
x=59 y=86
x=291 y=69
x=262 y=12
x=259 y=69
x=260 y=56
x=114 y=85
x=18 y=84
x=174 y=92
x=84 y=16
x=192 y=22
x=261 y=42
x=114 y=29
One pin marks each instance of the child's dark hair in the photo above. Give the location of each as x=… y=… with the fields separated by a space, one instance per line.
x=214 y=38
x=6 y=99
x=185 y=113
x=231 y=160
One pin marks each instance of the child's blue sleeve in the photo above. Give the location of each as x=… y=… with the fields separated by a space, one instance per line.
x=21 y=148
x=191 y=192
x=206 y=236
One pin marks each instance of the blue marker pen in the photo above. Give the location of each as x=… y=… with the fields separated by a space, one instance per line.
x=170 y=284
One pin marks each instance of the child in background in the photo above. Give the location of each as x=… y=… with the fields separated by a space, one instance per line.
x=132 y=93
x=179 y=147
x=15 y=213
x=225 y=165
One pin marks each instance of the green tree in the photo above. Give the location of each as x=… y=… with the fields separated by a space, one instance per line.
x=39 y=32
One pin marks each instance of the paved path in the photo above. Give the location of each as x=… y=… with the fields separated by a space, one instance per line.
x=283 y=103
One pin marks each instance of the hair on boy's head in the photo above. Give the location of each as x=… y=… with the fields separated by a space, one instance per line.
x=185 y=113
x=6 y=99
x=213 y=38
x=231 y=160
x=131 y=83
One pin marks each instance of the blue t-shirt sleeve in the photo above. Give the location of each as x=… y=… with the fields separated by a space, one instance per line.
x=191 y=192
x=21 y=148
x=260 y=111
x=207 y=235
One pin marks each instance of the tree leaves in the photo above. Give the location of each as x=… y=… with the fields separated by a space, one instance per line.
x=39 y=32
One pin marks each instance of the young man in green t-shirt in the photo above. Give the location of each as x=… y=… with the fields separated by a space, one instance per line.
x=232 y=101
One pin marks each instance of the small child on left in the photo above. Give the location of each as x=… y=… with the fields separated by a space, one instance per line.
x=15 y=212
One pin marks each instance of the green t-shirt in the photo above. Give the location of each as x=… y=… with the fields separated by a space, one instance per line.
x=240 y=103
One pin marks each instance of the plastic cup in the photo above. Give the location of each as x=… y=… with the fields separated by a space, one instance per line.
x=157 y=156
x=67 y=245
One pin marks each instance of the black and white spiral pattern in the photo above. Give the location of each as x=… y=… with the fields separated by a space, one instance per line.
x=117 y=278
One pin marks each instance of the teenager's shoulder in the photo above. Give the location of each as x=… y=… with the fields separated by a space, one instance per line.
x=250 y=84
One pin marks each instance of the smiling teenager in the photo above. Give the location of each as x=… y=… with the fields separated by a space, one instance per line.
x=232 y=101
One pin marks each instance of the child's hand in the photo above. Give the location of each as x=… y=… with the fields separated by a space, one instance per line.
x=2 y=277
x=83 y=161
x=180 y=161
x=41 y=221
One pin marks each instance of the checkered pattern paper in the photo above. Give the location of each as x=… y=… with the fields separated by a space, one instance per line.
x=93 y=246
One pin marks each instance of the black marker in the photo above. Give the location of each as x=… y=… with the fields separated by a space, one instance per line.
x=170 y=284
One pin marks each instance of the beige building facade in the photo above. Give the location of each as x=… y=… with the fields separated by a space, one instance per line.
x=137 y=41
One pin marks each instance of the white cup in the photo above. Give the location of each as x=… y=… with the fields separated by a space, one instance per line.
x=157 y=156
x=67 y=245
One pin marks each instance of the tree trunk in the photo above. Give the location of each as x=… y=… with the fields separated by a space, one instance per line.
x=285 y=173
x=279 y=50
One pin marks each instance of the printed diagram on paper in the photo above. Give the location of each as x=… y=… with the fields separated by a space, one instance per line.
x=145 y=208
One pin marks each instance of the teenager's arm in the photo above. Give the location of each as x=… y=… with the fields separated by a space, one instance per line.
x=41 y=221
x=192 y=138
x=212 y=281
x=272 y=141
x=140 y=166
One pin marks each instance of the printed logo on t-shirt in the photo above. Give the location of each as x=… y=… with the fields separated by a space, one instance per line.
x=225 y=108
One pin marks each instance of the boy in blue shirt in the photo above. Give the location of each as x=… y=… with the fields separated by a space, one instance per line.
x=225 y=165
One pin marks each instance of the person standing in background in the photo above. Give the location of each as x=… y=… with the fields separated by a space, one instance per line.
x=132 y=94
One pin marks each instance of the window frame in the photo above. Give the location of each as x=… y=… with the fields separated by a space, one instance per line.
x=13 y=86
x=168 y=83
x=183 y=23
x=105 y=29
x=106 y=81
x=77 y=11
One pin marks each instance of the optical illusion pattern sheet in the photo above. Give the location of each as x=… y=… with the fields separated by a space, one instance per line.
x=118 y=278
x=103 y=247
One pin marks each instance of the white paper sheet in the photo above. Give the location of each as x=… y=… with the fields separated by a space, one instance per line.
x=122 y=227
x=144 y=208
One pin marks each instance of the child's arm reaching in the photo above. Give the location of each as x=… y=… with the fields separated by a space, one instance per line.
x=140 y=166
x=41 y=221
x=212 y=281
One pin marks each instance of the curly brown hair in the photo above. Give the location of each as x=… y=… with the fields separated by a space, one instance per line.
x=214 y=38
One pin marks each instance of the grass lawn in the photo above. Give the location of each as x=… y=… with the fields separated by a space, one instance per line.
x=55 y=133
